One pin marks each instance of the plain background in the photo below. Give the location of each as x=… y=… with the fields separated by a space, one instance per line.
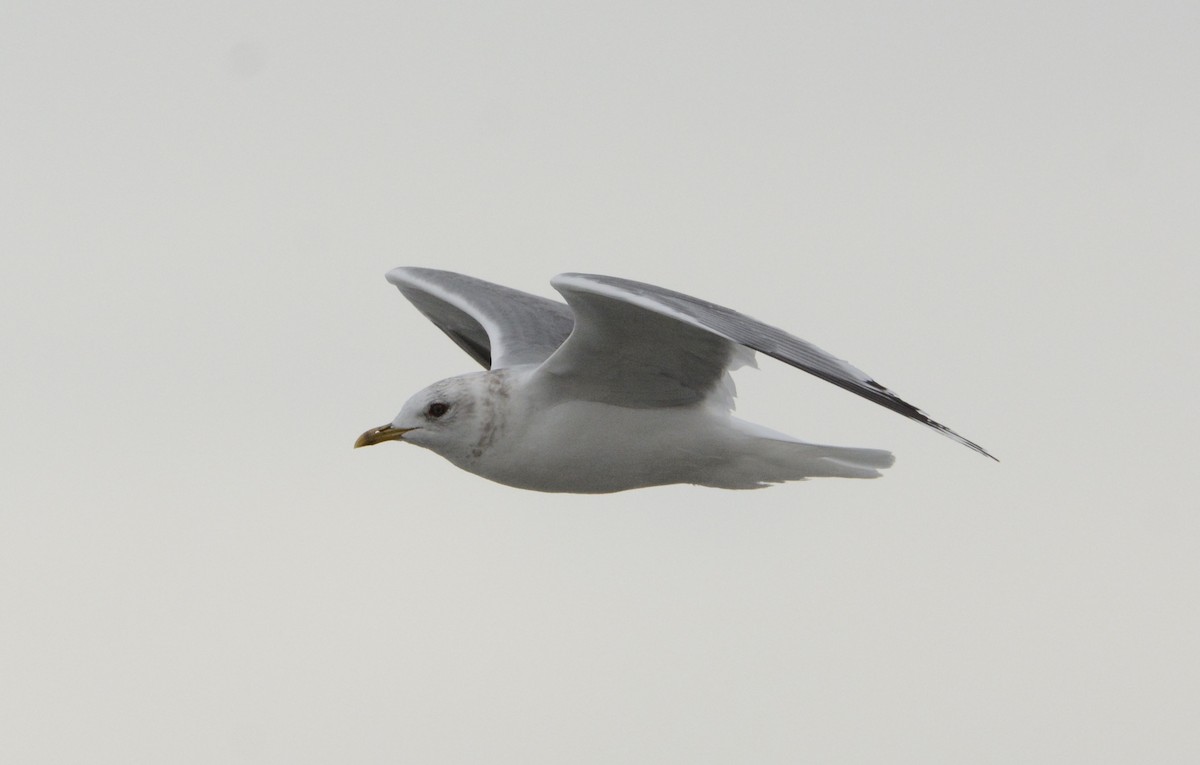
x=989 y=206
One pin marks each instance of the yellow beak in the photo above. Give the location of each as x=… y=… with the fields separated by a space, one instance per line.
x=381 y=434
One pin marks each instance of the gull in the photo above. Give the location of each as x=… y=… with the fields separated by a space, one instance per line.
x=624 y=386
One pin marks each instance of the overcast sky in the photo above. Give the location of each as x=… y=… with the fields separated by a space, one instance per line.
x=990 y=208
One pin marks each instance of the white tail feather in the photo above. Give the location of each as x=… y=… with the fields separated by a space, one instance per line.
x=768 y=457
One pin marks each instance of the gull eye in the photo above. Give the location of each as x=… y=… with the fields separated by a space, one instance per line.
x=437 y=409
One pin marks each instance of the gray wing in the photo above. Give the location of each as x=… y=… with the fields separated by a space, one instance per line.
x=498 y=326
x=639 y=345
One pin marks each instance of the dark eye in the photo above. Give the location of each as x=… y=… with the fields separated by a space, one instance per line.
x=437 y=409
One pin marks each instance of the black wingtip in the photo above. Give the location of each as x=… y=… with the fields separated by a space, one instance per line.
x=969 y=444
x=983 y=451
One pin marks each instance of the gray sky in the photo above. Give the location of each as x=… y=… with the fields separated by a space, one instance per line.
x=990 y=208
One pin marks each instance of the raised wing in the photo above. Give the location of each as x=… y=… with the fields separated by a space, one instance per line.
x=641 y=345
x=498 y=326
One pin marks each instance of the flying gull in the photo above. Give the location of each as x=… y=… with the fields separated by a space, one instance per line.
x=626 y=385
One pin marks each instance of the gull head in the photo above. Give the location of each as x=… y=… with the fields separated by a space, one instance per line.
x=453 y=417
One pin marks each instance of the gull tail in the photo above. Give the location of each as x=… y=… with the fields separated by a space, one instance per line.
x=767 y=457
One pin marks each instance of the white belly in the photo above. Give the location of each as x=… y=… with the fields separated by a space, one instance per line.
x=587 y=447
